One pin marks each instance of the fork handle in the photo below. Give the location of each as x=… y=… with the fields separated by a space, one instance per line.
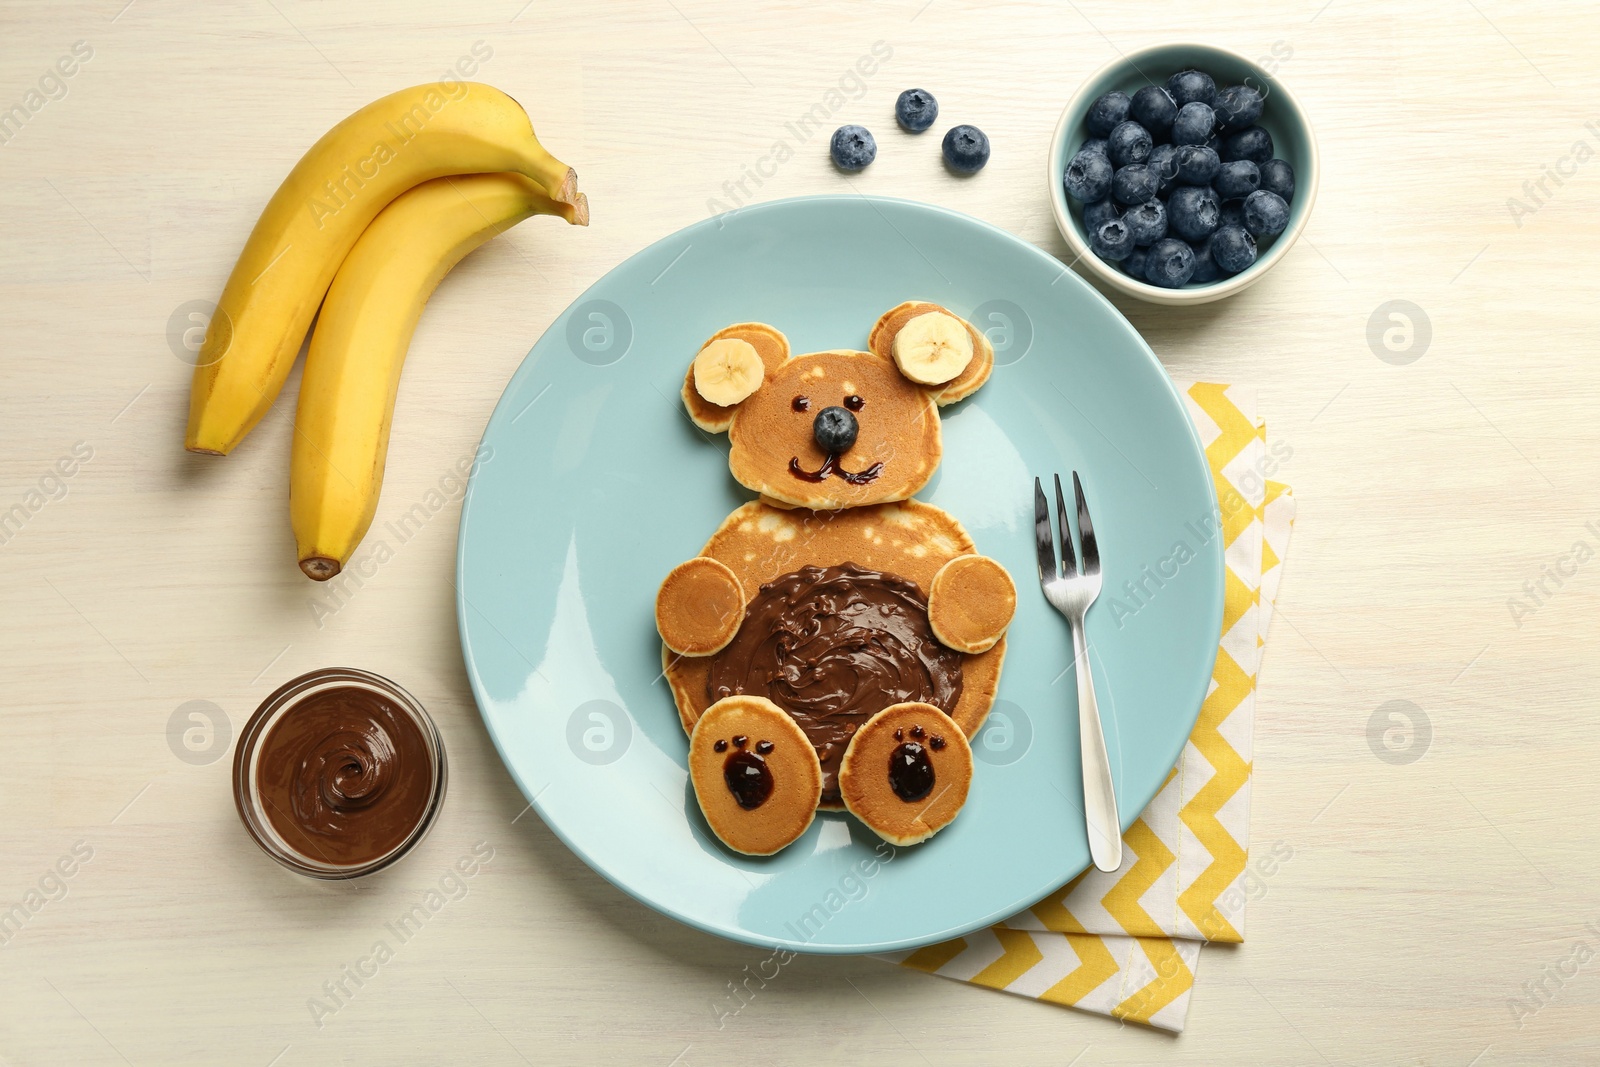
x=1099 y=798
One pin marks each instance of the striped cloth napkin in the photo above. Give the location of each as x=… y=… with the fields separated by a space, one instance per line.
x=1127 y=944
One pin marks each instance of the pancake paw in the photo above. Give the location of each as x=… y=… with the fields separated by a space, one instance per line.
x=755 y=774
x=970 y=603
x=907 y=772
x=699 y=607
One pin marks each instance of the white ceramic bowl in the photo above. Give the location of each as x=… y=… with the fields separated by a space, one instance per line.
x=1292 y=140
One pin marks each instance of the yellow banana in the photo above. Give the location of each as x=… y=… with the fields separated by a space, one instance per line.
x=352 y=371
x=317 y=214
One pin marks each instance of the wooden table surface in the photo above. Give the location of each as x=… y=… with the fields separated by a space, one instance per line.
x=1441 y=911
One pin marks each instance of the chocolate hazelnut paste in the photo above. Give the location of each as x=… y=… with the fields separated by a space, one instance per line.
x=344 y=776
x=834 y=646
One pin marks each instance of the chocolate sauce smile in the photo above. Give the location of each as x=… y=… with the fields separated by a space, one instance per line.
x=831 y=466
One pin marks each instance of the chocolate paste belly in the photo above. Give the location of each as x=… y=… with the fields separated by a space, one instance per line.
x=834 y=646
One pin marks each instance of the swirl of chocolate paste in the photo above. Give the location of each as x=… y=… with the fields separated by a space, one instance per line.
x=834 y=646
x=345 y=776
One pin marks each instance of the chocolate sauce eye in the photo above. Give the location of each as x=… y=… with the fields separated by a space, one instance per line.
x=721 y=746
x=764 y=747
x=854 y=403
x=801 y=403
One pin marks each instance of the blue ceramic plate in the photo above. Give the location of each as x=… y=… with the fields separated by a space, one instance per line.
x=593 y=483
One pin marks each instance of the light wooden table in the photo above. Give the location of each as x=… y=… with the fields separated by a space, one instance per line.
x=1422 y=896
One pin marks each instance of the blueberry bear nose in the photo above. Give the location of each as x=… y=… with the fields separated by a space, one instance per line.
x=834 y=429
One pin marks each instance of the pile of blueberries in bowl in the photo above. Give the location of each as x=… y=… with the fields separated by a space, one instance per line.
x=1178 y=183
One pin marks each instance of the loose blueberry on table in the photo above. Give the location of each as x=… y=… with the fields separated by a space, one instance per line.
x=966 y=149
x=915 y=110
x=1177 y=183
x=852 y=148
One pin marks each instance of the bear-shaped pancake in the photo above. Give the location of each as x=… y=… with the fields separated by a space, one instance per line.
x=836 y=595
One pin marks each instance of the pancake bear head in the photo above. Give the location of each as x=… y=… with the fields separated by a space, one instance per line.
x=842 y=428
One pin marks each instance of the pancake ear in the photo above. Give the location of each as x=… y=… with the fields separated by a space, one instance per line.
x=963 y=385
x=771 y=348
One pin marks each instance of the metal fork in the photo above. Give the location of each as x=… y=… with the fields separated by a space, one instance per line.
x=1071 y=593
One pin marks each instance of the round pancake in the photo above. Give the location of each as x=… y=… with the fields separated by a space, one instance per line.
x=898 y=428
x=970 y=603
x=747 y=741
x=881 y=341
x=906 y=738
x=699 y=607
x=910 y=539
x=770 y=344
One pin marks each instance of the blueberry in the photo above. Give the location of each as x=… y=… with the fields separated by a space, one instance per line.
x=1192 y=87
x=1237 y=106
x=1153 y=109
x=1171 y=263
x=1134 y=184
x=1163 y=160
x=1093 y=144
x=852 y=148
x=1196 y=164
x=1237 y=179
x=1265 y=214
x=915 y=110
x=1112 y=240
x=1193 y=212
x=1088 y=177
x=1129 y=143
x=1205 y=266
x=1100 y=211
x=1136 y=262
x=1232 y=214
x=1278 y=177
x=966 y=149
x=1233 y=248
x=834 y=430
x=1252 y=143
x=1215 y=144
x=1193 y=124
x=1106 y=112
x=1148 y=221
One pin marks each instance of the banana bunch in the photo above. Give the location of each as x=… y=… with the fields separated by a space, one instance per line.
x=365 y=226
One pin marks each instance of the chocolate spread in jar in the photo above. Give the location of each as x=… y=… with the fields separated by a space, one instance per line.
x=345 y=776
x=833 y=646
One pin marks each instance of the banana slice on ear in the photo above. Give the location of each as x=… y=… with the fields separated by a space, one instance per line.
x=932 y=348
x=726 y=372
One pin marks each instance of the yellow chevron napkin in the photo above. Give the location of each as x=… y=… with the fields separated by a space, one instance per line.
x=1127 y=944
